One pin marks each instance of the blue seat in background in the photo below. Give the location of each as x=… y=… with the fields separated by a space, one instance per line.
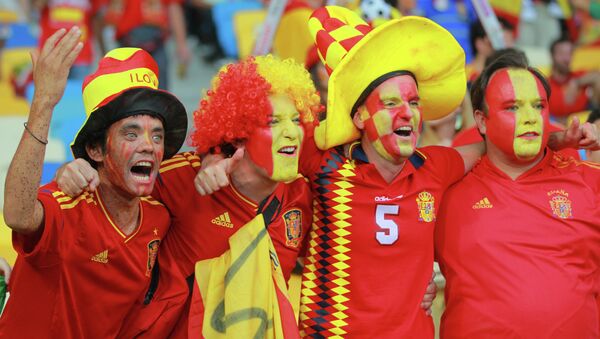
x=68 y=115
x=223 y=14
x=20 y=36
x=48 y=171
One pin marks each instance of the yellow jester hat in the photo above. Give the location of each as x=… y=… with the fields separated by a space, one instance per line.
x=359 y=58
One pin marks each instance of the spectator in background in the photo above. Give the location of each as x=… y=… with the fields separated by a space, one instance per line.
x=86 y=14
x=482 y=46
x=146 y=24
x=572 y=91
x=594 y=118
x=539 y=23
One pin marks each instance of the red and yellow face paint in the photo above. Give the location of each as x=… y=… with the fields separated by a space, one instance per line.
x=518 y=115
x=134 y=150
x=392 y=118
x=276 y=147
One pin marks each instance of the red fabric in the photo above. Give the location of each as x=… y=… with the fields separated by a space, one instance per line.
x=133 y=17
x=194 y=236
x=88 y=8
x=558 y=106
x=59 y=291
x=514 y=268
x=471 y=136
x=385 y=283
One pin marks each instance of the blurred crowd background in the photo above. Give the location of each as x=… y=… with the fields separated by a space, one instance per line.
x=192 y=39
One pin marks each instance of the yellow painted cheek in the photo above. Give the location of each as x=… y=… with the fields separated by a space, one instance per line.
x=383 y=122
x=285 y=168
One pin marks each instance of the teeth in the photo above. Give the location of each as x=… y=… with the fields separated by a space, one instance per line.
x=288 y=149
x=144 y=163
x=141 y=178
x=405 y=129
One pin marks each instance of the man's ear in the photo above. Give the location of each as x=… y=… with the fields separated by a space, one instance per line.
x=95 y=152
x=480 y=121
x=358 y=118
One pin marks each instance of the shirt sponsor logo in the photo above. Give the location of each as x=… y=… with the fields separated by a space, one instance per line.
x=223 y=220
x=560 y=204
x=483 y=203
x=152 y=252
x=384 y=198
x=101 y=257
x=293 y=227
x=426 y=205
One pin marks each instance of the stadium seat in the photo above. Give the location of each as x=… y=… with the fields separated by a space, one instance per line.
x=68 y=115
x=223 y=14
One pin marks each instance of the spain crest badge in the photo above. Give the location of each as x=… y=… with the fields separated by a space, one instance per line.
x=426 y=205
x=293 y=227
x=560 y=204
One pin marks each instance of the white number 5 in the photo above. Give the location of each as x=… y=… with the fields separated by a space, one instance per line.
x=389 y=229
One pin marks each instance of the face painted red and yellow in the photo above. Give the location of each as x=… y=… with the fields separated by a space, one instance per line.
x=518 y=117
x=391 y=116
x=134 y=150
x=276 y=147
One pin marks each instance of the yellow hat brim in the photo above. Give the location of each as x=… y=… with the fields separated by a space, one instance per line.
x=413 y=44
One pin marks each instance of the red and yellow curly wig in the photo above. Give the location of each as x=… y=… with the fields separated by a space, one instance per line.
x=238 y=102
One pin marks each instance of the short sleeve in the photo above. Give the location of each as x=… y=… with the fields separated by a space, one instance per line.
x=176 y=178
x=42 y=248
x=591 y=175
x=447 y=163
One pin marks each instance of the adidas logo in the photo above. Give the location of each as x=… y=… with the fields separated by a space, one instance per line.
x=101 y=257
x=223 y=220
x=483 y=203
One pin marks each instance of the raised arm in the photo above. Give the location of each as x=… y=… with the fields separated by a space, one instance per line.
x=22 y=211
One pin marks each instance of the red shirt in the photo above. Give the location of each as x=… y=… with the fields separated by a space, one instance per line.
x=520 y=257
x=370 y=253
x=471 y=136
x=201 y=227
x=558 y=106
x=59 y=14
x=82 y=276
x=130 y=14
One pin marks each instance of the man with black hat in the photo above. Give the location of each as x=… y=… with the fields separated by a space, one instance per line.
x=83 y=261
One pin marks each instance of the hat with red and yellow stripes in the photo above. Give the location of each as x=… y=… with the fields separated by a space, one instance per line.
x=126 y=84
x=359 y=58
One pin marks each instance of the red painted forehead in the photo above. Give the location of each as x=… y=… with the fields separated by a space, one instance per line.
x=403 y=86
x=513 y=84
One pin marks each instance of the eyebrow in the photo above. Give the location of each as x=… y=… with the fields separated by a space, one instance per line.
x=136 y=126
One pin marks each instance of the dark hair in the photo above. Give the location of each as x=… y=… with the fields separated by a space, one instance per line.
x=594 y=115
x=560 y=40
x=509 y=59
x=517 y=53
x=476 y=31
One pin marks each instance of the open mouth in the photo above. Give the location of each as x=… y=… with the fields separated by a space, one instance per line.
x=287 y=150
x=404 y=131
x=141 y=170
